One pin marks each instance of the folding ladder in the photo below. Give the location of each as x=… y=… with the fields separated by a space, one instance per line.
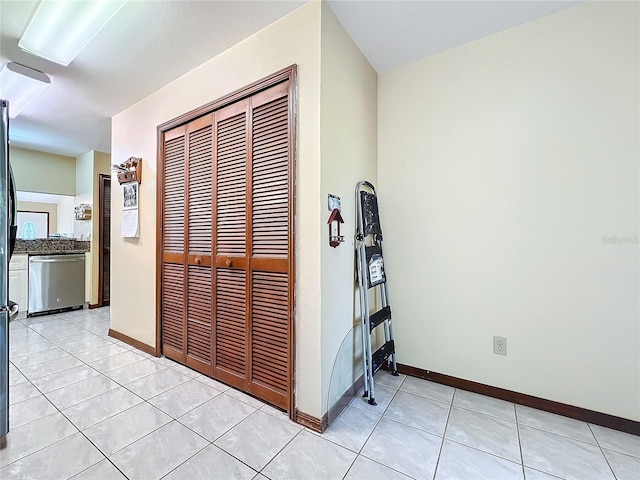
x=371 y=274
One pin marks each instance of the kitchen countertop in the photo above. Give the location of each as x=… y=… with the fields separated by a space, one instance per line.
x=51 y=246
x=65 y=252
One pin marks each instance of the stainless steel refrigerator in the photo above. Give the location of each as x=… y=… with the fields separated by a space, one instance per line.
x=8 y=214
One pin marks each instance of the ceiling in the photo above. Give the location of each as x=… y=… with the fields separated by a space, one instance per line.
x=395 y=32
x=148 y=44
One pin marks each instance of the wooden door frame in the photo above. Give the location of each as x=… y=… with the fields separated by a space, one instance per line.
x=101 y=179
x=286 y=74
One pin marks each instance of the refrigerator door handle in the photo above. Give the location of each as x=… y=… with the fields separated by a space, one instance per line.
x=12 y=309
x=13 y=212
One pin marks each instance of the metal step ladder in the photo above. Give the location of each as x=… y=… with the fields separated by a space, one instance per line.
x=371 y=275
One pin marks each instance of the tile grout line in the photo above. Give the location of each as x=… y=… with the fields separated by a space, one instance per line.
x=444 y=433
x=359 y=452
x=200 y=379
x=454 y=441
x=278 y=452
x=217 y=446
x=106 y=457
x=515 y=413
x=366 y=440
x=124 y=385
x=561 y=435
x=182 y=463
x=82 y=432
x=601 y=450
x=54 y=443
x=468 y=409
x=153 y=406
x=457 y=442
x=173 y=419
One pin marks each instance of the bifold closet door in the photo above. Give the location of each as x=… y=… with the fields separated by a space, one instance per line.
x=253 y=197
x=186 y=256
x=227 y=240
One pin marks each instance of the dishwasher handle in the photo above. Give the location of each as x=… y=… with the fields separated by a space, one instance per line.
x=57 y=259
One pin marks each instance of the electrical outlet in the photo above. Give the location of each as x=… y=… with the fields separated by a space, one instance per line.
x=500 y=345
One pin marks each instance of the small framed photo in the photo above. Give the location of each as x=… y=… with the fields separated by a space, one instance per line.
x=130 y=191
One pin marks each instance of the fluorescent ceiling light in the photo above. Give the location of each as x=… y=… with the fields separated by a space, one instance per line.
x=21 y=85
x=59 y=30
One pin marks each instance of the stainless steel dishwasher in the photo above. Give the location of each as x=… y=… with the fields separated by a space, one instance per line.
x=56 y=282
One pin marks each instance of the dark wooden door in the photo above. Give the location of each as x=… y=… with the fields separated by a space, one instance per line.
x=227 y=244
x=270 y=239
x=104 y=243
x=252 y=245
x=230 y=244
x=186 y=275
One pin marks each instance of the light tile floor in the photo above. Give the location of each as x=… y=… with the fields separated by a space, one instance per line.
x=86 y=406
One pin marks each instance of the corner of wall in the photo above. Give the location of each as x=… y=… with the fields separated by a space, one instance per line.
x=348 y=154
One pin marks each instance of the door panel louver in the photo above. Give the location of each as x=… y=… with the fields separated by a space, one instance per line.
x=200 y=178
x=199 y=313
x=173 y=306
x=270 y=330
x=231 y=187
x=231 y=320
x=174 y=196
x=270 y=196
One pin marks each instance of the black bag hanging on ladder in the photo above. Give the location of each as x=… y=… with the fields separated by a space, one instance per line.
x=371 y=274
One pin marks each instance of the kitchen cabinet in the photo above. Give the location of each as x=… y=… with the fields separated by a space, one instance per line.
x=19 y=282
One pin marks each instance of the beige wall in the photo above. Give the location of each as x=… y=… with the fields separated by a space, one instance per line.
x=293 y=39
x=84 y=178
x=348 y=126
x=89 y=166
x=503 y=164
x=101 y=165
x=83 y=228
x=43 y=172
x=50 y=208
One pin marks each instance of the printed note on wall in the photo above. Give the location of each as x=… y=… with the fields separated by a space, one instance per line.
x=130 y=220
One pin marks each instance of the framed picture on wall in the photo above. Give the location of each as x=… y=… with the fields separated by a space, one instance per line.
x=32 y=225
x=130 y=195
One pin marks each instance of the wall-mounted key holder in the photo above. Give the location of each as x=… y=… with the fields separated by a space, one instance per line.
x=130 y=171
x=82 y=211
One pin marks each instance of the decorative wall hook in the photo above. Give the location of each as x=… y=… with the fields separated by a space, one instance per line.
x=129 y=171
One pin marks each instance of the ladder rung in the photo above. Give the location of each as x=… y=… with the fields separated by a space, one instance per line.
x=382 y=354
x=379 y=317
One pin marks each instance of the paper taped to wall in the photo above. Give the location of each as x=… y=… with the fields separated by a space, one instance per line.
x=130 y=223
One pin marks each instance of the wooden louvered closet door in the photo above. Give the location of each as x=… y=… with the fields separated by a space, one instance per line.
x=227 y=285
x=269 y=237
x=186 y=276
x=252 y=232
x=230 y=243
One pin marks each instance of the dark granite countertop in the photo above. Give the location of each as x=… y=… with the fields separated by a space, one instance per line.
x=64 y=252
x=51 y=246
